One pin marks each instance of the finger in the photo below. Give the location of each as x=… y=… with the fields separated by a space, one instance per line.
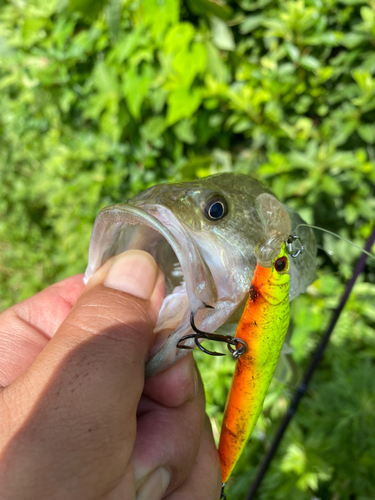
x=168 y=439
x=204 y=481
x=175 y=385
x=26 y=328
x=79 y=397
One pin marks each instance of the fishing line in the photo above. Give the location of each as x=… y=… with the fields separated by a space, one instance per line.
x=369 y=254
x=299 y=393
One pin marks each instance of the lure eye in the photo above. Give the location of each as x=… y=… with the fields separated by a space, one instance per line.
x=281 y=264
x=216 y=208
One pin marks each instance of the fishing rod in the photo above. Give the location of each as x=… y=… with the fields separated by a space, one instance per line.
x=301 y=390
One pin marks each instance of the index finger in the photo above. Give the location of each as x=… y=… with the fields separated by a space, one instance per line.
x=27 y=327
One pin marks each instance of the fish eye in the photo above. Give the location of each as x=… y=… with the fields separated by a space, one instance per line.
x=216 y=208
x=281 y=264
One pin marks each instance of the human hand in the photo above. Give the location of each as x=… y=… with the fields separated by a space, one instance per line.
x=78 y=421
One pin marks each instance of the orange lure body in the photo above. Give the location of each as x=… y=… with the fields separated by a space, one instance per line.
x=263 y=327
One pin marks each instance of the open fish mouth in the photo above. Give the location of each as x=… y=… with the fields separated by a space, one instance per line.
x=153 y=228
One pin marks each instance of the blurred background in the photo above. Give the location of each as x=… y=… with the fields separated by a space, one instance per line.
x=102 y=99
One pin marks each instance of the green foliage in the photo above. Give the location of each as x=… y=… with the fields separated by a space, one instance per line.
x=102 y=99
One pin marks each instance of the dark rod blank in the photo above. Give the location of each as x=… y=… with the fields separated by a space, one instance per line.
x=310 y=371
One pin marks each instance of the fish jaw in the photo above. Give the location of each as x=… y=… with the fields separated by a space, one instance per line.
x=124 y=227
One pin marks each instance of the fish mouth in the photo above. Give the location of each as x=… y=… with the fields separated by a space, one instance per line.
x=153 y=228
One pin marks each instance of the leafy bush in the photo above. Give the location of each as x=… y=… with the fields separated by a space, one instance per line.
x=101 y=99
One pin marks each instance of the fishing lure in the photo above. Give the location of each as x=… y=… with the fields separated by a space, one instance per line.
x=262 y=327
x=259 y=337
x=260 y=333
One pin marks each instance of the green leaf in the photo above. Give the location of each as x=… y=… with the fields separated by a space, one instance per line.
x=90 y=8
x=136 y=87
x=188 y=64
x=292 y=51
x=158 y=15
x=184 y=132
x=179 y=37
x=294 y=460
x=153 y=128
x=368 y=15
x=222 y=35
x=182 y=103
x=254 y=4
x=112 y=12
x=352 y=40
x=331 y=186
x=251 y=23
x=309 y=62
x=211 y=7
x=216 y=64
x=367 y=132
x=364 y=79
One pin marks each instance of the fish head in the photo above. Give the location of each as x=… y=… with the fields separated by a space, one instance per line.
x=203 y=234
x=217 y=228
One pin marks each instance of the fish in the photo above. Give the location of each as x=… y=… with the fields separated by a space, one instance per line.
x=203 y=234
x=263 y=326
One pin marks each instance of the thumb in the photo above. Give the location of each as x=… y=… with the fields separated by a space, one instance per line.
x=111 y=325
x=91 y=374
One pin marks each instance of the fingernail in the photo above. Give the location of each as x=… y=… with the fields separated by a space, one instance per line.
x=155 y=486
x=134 y=272
x=194 y=391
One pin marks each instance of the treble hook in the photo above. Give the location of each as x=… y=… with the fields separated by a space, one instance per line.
x=289 y=245
x=232 y=342
x=223 y=495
